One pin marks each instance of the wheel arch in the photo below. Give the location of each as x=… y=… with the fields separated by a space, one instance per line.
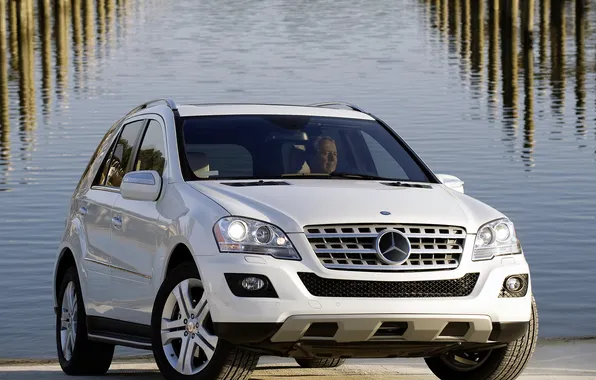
x=179 y=254
x=65 y=260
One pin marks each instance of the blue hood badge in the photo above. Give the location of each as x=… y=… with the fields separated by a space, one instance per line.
x=385 y=213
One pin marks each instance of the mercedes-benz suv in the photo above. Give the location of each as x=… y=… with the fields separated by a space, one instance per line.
x=214 y=234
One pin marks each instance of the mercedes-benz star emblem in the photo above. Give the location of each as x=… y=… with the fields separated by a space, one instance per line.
x=393 y=247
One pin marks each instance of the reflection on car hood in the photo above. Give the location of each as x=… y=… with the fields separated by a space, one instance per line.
x=315 y=202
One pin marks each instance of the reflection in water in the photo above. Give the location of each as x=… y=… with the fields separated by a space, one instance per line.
x=4 y=121
x=557 y=44
x=580 y=69
x=14 y=40
x=453 y=25
x=77 y=42
x=88 y=39
x=528 y=52
x=510 y=53
x=477 y=45
x=101 y=24
x=46 y=54
x=26 y=71
x=110 y=17
x=61 y=43
x=493 y=55
x=45 y=26
x=544 y=30
x=509 y=65
x=465 y=39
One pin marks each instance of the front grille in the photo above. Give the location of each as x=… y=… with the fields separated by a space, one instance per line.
x=325 y=287
x=352 y=247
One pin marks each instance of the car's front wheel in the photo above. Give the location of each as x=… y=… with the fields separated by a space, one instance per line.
x=76 y=353
x=505 y=363
x=184 y=343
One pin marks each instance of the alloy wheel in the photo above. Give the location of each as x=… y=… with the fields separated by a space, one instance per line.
x=187 y=335
x=465 y=361
x=68 y=318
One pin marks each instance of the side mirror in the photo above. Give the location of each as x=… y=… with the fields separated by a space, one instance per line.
x=143 y=185
x=451 y=182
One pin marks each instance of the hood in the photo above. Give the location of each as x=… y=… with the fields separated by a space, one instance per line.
x=305 y=202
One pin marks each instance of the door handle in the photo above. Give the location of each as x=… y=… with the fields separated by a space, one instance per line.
x=83 y=210
x=117 y=222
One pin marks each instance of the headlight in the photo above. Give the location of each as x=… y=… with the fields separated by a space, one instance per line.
x=495 y=239
x=242 y=235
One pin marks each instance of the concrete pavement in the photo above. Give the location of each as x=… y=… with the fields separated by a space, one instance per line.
x=552 y=360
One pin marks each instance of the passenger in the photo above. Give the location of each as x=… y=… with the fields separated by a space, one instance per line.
x=324 y=158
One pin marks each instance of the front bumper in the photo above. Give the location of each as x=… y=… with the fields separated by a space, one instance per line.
x=287 y=317
x=370 y=328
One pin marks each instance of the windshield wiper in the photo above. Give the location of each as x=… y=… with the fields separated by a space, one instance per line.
x=360 y=176
x=339 y=175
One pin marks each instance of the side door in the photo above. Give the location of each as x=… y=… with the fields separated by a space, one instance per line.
x=96 y=205
x=93 y=206
x=137 y=234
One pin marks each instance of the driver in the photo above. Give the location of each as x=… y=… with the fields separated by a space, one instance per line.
x=324 y=158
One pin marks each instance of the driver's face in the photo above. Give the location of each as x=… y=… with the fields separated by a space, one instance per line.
x=326 y=157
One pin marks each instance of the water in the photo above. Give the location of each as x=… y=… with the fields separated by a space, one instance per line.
x=518 y=125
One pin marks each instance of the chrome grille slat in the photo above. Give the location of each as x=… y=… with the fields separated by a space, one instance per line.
x=351 y=247
x=433 y=236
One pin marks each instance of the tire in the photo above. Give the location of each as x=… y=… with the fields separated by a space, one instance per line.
x=505 y=363
x=86 y=357
x=320 y=363
x=204 y=356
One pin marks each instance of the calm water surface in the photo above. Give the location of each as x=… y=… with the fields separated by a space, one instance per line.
x=513 y=117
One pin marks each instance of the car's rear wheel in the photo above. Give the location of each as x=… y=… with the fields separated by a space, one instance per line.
x=320 y=363
x=76 y=353
x=505 y=363
x=184 y=343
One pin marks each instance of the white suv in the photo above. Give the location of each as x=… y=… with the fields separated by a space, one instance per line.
x=213 y=234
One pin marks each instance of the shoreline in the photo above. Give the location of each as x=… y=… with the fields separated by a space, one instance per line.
x=149 y=356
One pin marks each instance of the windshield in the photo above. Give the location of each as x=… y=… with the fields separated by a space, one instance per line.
x=288 y=146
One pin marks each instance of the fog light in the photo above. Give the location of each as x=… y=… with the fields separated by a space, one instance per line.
x=514 y=284
x=253 y=283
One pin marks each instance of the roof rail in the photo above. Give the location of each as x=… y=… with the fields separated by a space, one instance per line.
x=327 y=104
x=169 y=102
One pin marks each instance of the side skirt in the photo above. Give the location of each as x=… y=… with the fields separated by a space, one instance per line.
x=113 y=331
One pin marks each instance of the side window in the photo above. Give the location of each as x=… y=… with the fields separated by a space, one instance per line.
x=152 y=155
x=91 y=172
x=386 y=165
x=118 y=164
